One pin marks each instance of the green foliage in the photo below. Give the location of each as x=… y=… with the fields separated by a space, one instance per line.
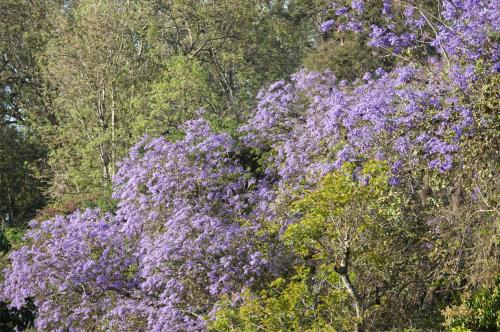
x=477 y=312
x=94 y=65
x=14 y=236
x=347 y=55
x=21 y=184
x=4 y=243
x=182 y=89
x=23 y=34
x=296 y=304
x=342 y=207
x=101 y=200
x=10 y=239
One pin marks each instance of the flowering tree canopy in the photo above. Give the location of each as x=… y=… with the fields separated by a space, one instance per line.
x=188 y=227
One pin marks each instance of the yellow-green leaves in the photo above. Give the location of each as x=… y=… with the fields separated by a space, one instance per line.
x=345 y=204
x=285 y=305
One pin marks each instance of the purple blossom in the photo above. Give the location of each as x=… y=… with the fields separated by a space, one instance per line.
x=342 y=11
x=358 y=5
x=327 y=25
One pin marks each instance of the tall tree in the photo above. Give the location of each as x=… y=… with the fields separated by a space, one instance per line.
x=96 y=62
x=22 y=89
x=21 y=184
x=242 y=44
x=23 y=99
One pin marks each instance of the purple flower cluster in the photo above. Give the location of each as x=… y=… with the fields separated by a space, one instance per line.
x=179 y=239
x=314 y=123
x=463 y=28
x=75 y=269
x=385 y=38
x=469 y=29
x=327 y=25
x=185 y=203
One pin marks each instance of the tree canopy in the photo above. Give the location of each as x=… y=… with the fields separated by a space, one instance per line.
x=250 y=165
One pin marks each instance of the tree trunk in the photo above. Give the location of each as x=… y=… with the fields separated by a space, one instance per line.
x=343 y=270
x=11 y=203
x=113 y=138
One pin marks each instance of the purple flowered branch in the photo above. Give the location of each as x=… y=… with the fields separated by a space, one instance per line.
x=462 y=28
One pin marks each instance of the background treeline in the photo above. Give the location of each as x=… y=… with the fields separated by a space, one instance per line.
x=82 y=81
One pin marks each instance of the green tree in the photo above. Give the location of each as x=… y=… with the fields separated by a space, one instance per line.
x=182 y=89
x=241 y=44
x=22 y=99
x=21 y=184
x=22 y=88
x=96 y=61
x=477 y=312
x=354 y=251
